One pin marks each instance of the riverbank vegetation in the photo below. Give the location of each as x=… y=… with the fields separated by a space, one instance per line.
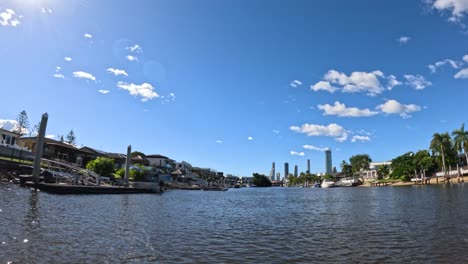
x=261 y=180
x=441 y=155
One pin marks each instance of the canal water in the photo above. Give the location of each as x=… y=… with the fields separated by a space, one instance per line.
x=416 y=224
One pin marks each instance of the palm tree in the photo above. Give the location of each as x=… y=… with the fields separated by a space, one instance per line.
x=460 y=138
x=440 y=144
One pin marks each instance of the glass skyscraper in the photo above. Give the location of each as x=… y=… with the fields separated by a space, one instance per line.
x=328 y=161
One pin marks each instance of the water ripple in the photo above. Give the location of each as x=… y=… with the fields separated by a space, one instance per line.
x=249 y=225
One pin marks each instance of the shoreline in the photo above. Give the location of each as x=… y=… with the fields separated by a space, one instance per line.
x=432 y=181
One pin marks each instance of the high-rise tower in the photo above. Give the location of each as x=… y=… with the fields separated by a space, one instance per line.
x=286 y=170
x=295 y=170
x=308 y=166
x=328 y=161
x=273 y=170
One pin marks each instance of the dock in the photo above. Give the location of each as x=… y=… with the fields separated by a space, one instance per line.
x=378 y=184
x=81 y=189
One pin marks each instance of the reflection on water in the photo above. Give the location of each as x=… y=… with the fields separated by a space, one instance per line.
x=416 y=224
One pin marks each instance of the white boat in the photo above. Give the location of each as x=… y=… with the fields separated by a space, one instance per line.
x=328 y=184
x=348 y=182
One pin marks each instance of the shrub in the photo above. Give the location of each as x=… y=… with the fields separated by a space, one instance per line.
x=101 y=165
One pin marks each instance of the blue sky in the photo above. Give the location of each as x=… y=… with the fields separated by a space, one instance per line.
x=236 y=85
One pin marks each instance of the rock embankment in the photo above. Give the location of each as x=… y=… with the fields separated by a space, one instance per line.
x=10 y=170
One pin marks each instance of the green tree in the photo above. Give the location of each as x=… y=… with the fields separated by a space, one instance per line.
x=460 y=138
x=71 y=138
x=261 y=180
x=423 y=161
x=403 y=167
x=442 y=144
x=135 y=174
x=61 y=138
x=291 y=180
x=359 y=163
x=22 y=123
x=383 y=171
x=102 y=166
x=120 y=173
x=346 y=168
x=137 y=153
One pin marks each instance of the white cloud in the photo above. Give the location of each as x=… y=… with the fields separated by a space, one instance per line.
x=67 y=59
x=135 y=48
x=50 y=136
x=275 y=131
x=145 y=90
x=294 y=153
x=392 y=82
x=87 y=35
x=59 y=75
x=452 y=63
x=296 y=83
x=462 y=74
x=117 y=72
x=9 y=18
x=219 y=141
x=131 y=58
x=8 y=124
x=340 y=109
x=465 y=58
x=394 y=107
x=169 y=98
x=356 y=82
x=250 y=138
x=57 y=69
x=11 y=125
x=326 y=86
x=458 y=8
x=332 y=130
x=417 y=81
x=310 y=147
x=46 y=10
x=403 y=39
x=104 y=91
x=84 y=75
x=360 y=138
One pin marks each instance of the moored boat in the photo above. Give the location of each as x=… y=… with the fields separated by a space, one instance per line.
x=214 y=188
x=349 y=182
x=328 y=184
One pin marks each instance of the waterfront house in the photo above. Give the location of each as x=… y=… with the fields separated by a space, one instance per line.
x=184 y=167
x=371 y=173
x=9 y=145
x=162 y=163
x=90 y=154
x=9 y=138
x=247 y=180
x=208 y=174
x=139 y=160
x=54 y=149
x=119 y=159
x=231 y=180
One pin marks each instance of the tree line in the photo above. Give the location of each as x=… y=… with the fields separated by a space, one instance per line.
x=441 y=155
